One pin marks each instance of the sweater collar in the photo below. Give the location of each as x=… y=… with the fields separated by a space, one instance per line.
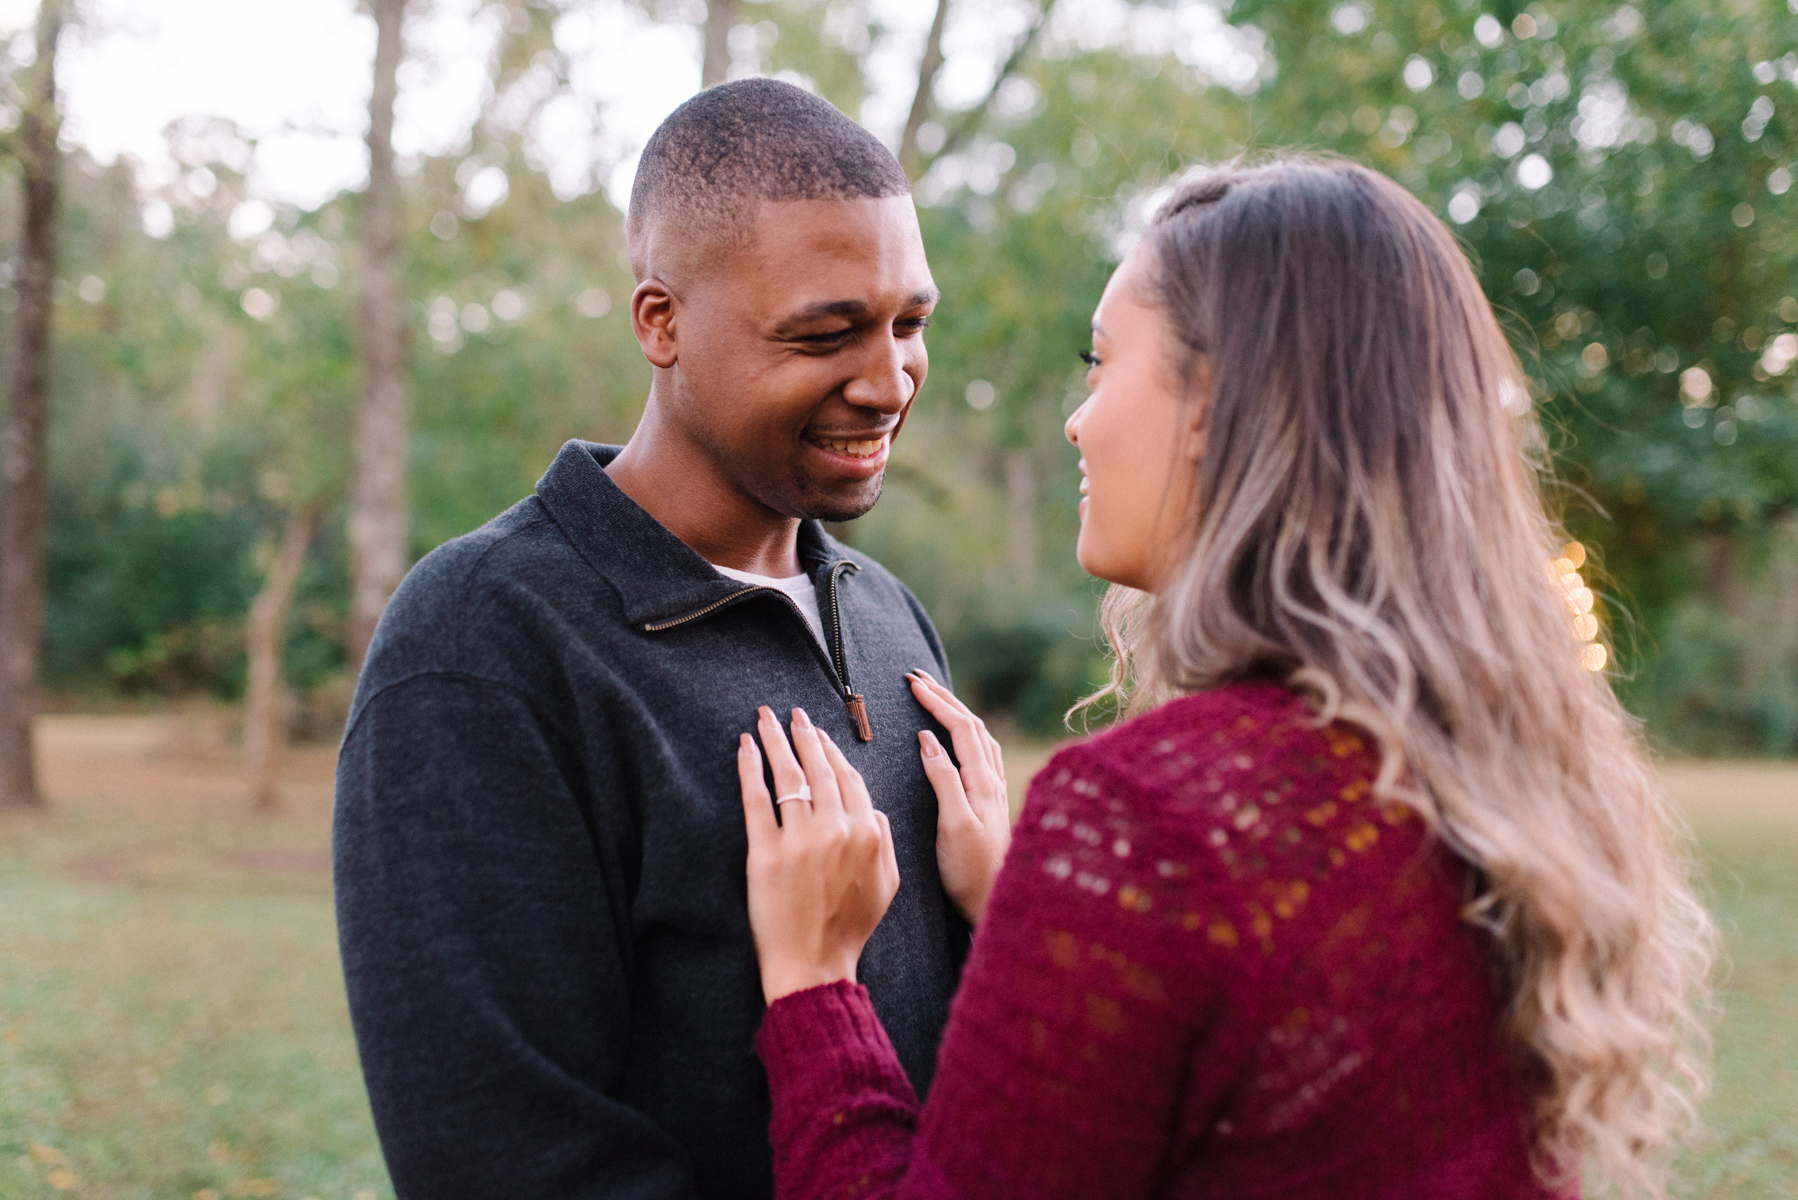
x=658 y=576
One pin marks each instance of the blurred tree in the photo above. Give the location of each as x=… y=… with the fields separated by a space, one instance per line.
x=957 y=127
x=265 y=716
x=930 y=64
x=1621 y=175
x=378 y=520
x=293 y=410
x=24 y=454
x=520 y=292
x=720 y=19
x=154 y=512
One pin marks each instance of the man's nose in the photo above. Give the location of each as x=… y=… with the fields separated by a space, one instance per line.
x=884 y=382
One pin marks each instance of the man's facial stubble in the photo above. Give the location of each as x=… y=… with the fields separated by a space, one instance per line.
x=804 y=338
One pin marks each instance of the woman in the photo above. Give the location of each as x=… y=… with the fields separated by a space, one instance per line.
x=1373 y=894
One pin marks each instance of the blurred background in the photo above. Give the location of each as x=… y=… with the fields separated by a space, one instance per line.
x=325 y=284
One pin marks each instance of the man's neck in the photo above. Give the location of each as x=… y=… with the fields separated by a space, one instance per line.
x=677 y=484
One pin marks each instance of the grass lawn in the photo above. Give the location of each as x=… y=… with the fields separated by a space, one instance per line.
x=172 y=1022
x=1746 y=817
x=172 y=1019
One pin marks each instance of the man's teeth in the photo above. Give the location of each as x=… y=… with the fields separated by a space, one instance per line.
x=858 y=449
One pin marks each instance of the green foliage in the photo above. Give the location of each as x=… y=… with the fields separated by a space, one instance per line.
x=1720 y=681
x=1621 y=178
x=213 y=385
x=1620 y=175
x=510 y=360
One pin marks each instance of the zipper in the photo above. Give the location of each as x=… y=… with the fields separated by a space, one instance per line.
x=714 y=606
x=853 y=701
x=857 y=705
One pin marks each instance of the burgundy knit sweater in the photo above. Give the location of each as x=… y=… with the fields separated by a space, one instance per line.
x=1211 y=967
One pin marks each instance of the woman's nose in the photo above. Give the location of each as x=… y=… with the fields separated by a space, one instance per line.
x=1072 y=428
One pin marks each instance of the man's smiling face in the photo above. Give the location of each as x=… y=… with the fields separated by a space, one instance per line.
x=799 y=352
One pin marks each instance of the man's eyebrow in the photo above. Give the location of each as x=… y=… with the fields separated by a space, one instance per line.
x=846 y=309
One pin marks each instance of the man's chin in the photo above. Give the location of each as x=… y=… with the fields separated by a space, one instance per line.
x=845 y=504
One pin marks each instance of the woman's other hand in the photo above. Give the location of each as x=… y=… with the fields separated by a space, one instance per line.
x=973 y=825
x=822 y=873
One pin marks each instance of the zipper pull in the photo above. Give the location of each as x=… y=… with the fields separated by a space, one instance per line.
x=858 y=708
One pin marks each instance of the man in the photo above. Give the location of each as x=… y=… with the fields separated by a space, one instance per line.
x=540 y=847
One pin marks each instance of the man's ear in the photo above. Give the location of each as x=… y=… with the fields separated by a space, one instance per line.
x=653 y=309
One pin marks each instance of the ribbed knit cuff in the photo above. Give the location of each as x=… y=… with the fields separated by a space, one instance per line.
x=825 y=1041
x=843 y=1110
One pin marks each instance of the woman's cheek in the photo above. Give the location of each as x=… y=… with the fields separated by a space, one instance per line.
x=1103 y=548
x=1089 y=547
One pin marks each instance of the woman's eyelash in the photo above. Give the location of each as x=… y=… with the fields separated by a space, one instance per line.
x=1089 y=358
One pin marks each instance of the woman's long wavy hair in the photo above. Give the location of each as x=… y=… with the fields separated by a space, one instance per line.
x=1370 y=526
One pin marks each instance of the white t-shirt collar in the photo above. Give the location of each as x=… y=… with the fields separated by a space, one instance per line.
x=798 y=587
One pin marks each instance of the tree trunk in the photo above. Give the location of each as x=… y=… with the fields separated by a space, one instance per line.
x=720 y=18
x=966 y=123
x=1022 y=549
x=265 y=709
x=1785 y=587
x=23 y=452
x=1725 y=587
x=1725 y=564
x=378 y=524
x=928 y=67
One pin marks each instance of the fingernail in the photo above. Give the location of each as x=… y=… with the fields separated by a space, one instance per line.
x=744 y=742
x=765 y=713
x=927 y=674
x=932 y=747
x=824 y=736
x=800 y=719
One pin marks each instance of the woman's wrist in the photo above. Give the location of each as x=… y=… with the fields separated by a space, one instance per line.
x=782 y=979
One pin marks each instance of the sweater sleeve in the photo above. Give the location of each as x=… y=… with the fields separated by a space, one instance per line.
x=1065 y=1062
x=485 y=955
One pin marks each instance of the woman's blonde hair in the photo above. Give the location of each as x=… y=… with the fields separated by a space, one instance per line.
x=1370 y=526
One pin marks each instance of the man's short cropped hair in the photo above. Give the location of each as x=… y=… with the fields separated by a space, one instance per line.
x=730 y=147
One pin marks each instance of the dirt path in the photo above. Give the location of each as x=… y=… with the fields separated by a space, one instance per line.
x=187 y=763
x=1710 y=793
x=163 y=801
x=1717 y=793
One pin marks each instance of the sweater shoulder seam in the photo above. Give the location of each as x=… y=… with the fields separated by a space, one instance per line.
x=471 y=578
x=462 y=676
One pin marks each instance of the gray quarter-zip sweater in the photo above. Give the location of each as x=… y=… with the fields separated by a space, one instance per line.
x=540 y=847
